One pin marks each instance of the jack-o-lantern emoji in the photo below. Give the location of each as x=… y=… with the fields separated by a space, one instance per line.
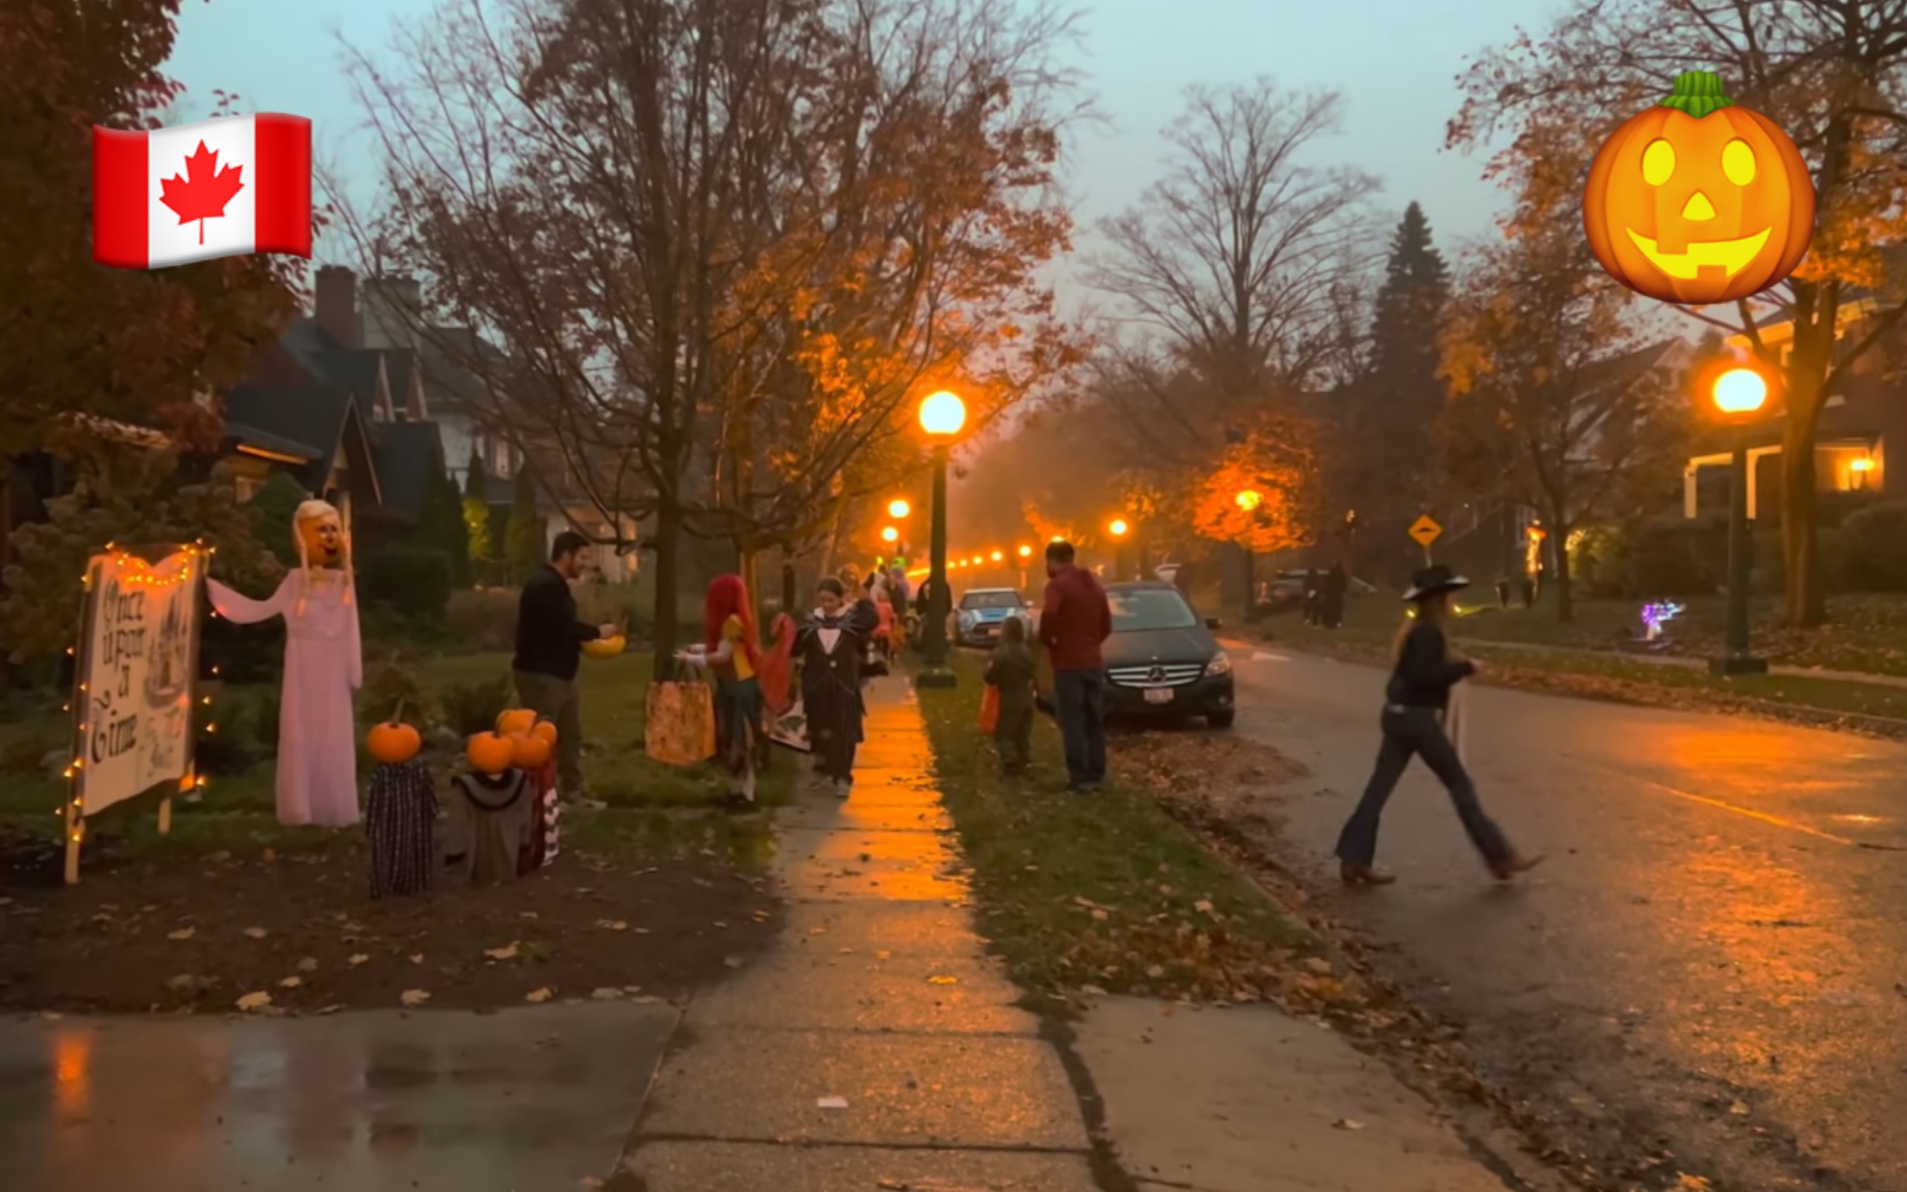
x=1698 y=200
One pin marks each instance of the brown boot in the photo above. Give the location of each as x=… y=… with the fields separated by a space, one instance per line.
x=1512 y=865
x=1364 y=875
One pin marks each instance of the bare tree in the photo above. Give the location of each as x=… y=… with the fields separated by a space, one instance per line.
x=1831 y=73
x=703 y=236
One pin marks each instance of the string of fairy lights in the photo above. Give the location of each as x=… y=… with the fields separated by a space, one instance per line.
x=136 y=573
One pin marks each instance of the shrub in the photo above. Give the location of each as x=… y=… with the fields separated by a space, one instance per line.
x=398 y=681
x=233 y=747
x=482 y=619
x=415 y=582
x=1674 y=558
x=1875 y=542
x=474 y=707
x=266 y=706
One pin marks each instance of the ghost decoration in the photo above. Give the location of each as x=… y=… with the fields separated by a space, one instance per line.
x=324 y=664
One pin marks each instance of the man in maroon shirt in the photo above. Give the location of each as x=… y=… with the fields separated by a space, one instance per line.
x=1075 y=620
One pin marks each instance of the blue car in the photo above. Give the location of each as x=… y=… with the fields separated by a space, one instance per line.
x=981 y=613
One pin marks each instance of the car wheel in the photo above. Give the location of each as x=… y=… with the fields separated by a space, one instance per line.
x=1223 y=719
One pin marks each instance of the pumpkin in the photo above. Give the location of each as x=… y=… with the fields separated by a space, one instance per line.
x=605 y=647
x=530 y=752
x=1698 y=200
x=544 y=730
x=393 y=743
x=491 y=753
x=515 y=722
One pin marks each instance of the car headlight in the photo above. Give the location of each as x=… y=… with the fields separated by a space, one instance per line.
x=1221 y=664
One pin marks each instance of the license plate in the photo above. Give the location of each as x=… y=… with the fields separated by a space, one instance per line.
x=1158 y=695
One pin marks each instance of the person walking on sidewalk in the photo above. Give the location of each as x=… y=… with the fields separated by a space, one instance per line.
x=729 y=648
x=831 y=647
x=549 y=647
x=1075 y=621
x=1423 y=673
x=1010 y=671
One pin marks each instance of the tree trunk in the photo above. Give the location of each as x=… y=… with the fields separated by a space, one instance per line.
x=833 y=545
x=668 y=545
x=1806 y=603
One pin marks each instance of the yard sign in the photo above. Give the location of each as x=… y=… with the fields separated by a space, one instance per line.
x=134 y=673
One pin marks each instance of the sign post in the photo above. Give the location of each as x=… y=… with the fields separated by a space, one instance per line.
x=134 y=684
x=1423 y=532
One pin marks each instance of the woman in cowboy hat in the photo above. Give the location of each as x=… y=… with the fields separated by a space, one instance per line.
x=1419 y=693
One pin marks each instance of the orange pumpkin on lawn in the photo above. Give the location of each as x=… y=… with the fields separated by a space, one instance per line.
x=546 y=731
x=393 y=743
x=531 y=752
x=1698 y=200
x=491 y=753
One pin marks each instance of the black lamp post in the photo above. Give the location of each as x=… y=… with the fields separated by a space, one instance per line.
x=942 y=416
x=1738 y=394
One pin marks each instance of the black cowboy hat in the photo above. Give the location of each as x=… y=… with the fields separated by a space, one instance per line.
x=1433 y=580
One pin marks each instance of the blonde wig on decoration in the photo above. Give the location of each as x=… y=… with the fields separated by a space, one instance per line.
x=310 y=511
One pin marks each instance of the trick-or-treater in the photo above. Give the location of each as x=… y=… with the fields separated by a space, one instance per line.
x=324 y=664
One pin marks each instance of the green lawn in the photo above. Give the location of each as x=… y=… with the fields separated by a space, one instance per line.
x=665 y=805
x=1104 y=890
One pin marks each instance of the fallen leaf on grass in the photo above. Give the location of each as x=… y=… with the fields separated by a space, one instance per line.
x=606 y=994
x=943 y=980
x=358 y=958
x=254 y=1001
x=184 y=933
x=1692 y=1183
x=291 y=982
x=1739 y=1109
x=257 y=933
x=733 y=961
x=612 y=924
x=308 y=965
x=1348 y=1124
x=414 y=997
x=537 y=997
x=417 y=958
x=1317 y=964
x=507 y=952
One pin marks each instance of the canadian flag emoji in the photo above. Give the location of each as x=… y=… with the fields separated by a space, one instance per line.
x=219 y=188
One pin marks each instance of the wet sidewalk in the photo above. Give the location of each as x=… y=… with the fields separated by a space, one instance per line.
x=877 y=1046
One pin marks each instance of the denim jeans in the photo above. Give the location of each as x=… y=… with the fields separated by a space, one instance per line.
x=1416 y=732
x=1079 y=704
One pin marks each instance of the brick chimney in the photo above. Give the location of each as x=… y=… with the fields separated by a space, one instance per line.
x=336 y=307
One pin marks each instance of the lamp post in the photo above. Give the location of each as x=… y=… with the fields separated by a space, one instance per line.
x=1738 y=393
x=942 y=415
x=1248 y=500
x=1118 y=527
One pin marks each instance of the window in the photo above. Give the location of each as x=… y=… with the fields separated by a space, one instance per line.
x=1145 y=609
x=974 y=600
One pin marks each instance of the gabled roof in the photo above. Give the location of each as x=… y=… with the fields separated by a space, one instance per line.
x=303 y=426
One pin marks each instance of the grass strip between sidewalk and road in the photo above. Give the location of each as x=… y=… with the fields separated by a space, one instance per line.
x=1102 y=892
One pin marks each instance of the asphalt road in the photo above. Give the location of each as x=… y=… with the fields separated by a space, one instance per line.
x=1708 y=973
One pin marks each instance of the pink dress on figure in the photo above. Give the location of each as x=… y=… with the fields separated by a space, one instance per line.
x=324 y=664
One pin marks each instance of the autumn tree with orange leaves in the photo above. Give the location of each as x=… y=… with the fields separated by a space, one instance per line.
x=1260 y=495
x=1832 y=74
x=723 y=246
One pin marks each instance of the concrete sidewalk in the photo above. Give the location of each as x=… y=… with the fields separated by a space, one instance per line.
x=882 y=1003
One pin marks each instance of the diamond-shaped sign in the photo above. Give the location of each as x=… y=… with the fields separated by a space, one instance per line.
x=1424 y=531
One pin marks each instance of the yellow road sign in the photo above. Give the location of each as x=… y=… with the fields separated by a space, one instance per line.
x=1424 y=531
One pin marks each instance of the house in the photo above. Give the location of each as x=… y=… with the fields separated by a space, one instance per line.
x=1864 y=411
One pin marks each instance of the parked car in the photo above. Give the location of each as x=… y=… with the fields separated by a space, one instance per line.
x=1162 y=660
x=981 y=613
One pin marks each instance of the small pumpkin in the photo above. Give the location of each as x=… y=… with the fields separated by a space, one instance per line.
x=1698 y=200
x=393 y=743
x=515 y=722
x=546 y=731
x=606 y=647
x=531 y=752
x=491 y=753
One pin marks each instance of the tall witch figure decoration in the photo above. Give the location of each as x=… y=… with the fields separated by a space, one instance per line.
x=324 y=664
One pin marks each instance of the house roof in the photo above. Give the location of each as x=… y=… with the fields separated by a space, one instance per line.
x=407 y=453
x=308 y=424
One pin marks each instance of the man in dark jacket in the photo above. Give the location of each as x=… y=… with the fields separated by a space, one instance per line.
x=549 y=647
x=1075 y=621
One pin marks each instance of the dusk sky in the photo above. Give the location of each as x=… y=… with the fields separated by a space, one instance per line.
x=1394 y=60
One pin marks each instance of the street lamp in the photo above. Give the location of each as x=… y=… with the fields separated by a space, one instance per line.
x=942 y=416
x=1026 y=552
x=997 y=556
x=898 y=508
x=1118 y=528
x=890 y=535
x=1738 y=393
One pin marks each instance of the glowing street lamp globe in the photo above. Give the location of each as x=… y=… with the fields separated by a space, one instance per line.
x=890 y=535
x=1740 y=391
x=1119 y=527
x=997 y=556
x=1248 y=500
x=898 y=508
x=942 y=414
x=1026 y=552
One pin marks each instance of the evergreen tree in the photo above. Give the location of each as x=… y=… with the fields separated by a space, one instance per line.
x=479 y=543
x=1394 y=407
x=523 y=540
x=440 y=525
